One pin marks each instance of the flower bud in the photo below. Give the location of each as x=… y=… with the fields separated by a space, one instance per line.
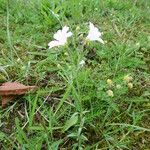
x=77 y=28
x=82 y=63
x=18 y=60
x=110 y=93
x=58 y=65
x=81 y=36
x=109 y=82
x=130 y=85
x=127 y=78
x=66 y=54
x=118 y=86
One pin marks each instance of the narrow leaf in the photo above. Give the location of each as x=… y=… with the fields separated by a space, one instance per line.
x=71 y=122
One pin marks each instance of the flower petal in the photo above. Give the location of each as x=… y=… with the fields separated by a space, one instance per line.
x=65 y=29
x=57 y=35
x=69 y=34
x=54 y=44
x=100 y=40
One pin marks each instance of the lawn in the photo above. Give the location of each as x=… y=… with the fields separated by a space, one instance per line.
x=90 y=95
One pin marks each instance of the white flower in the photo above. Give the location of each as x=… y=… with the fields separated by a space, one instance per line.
x=94 y=34
x=82 y=63
x=60 y=37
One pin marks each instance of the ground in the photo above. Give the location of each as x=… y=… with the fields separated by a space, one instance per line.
x=103 y=104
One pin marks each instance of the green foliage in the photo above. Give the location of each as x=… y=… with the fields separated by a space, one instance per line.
x=75 y=107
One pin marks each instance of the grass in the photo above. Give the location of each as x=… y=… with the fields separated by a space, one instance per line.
x=71 y=108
